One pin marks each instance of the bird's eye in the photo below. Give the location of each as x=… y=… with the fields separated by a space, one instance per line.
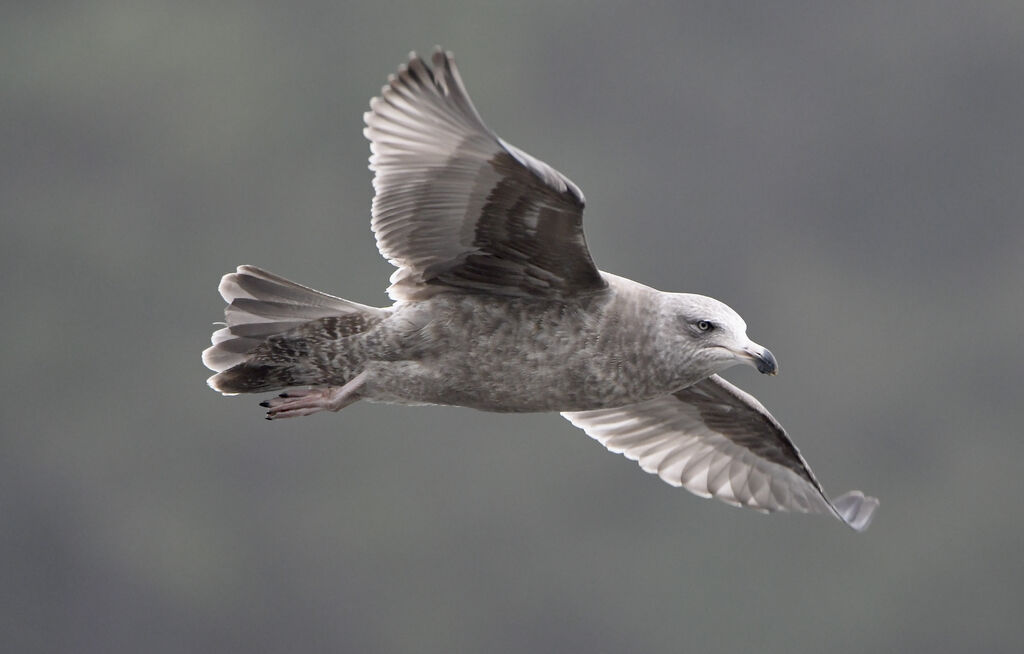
x=705 y=325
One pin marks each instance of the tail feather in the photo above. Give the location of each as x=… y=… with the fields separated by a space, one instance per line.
x=260 y=305
x=256 y=377
x=246 y=310
x=227 y=350
x=258 y=284
x=263 y=330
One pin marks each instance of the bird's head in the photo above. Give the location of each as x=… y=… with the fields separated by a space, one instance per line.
x=712 y=336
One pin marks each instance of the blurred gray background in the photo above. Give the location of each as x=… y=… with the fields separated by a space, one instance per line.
x=848 y=176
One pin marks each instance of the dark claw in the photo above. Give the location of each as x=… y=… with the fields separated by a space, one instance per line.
x=283 y=395
x=265 y=404
x=269 y=417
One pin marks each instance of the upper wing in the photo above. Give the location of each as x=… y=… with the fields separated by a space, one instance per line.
x=717 y=441
x=458 y=208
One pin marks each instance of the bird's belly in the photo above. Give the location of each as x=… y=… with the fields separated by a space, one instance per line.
x=510 y=382
x=512 y=355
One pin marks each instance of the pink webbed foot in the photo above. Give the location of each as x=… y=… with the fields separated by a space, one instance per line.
x=304 y=402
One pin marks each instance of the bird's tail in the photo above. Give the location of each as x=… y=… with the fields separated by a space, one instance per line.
x=261 y=305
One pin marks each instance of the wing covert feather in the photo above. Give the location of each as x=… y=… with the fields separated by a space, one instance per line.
x=717 y=441
x=458 y=208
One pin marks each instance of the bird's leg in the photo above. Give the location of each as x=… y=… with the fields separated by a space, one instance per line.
x=306 y=402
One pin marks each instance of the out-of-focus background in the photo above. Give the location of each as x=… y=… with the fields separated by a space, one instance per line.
x=848 y=176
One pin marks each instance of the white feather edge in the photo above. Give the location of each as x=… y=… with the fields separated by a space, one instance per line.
x=303 y=303
x=684 y=452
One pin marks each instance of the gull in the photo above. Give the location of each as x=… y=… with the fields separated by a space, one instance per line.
x=498 y=306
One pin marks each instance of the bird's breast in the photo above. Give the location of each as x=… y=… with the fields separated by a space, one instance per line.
x=519 y=355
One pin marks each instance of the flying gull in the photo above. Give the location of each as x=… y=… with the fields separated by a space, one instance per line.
x=498 y=306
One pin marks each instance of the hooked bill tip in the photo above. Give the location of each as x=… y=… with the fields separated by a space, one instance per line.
x=766 y=363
